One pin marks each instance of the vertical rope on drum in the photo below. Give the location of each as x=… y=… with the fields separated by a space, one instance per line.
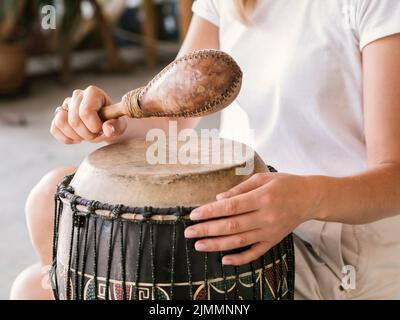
x=281 y=266
x=123 y=262
x=274 y=273
x=149 y=212
x=77 y=256
x=109 y=260
x=171 y=292
x=68 y=288
x=293 y=268
x=59 y=212
x=188 y=264
x=253 y=280
x=223 y=277
x=57 y=204
x=85 y=250
x=290 y=265
x=206 y=276
x=280 y=254
x=237 y=283
x=138 y=258
x=96 y=290
x=55 y=226
x=263 y=278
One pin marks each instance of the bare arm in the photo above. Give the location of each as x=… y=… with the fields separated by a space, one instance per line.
x=375 y=194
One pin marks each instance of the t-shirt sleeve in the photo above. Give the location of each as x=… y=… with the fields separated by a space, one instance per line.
x=208 y=10
x=377 y=19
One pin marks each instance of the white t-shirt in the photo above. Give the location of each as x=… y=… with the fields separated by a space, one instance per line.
x=302 y=85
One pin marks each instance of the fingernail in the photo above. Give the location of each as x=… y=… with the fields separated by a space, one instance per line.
x=190 y=232
x=221 y=196
x=200 y=246
x=195 y=215
x=112 y=128
x=226 y=261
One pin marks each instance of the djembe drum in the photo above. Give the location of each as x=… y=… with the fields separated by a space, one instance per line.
x=119 y=231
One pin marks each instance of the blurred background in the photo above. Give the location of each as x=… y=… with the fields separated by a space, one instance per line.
x=48 y=49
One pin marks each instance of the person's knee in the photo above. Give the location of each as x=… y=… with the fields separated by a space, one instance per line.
x=33 y=283
x=39 y=211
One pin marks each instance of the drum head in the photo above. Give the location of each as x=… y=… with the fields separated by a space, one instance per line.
x=141 y=173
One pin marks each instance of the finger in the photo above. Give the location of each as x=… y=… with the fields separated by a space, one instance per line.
x=74 y=119
x=93 y=100
x=61 y=122
x=229 y=242
x=100 y=138
x=66 y=101
x=221 y=227
x=252 y=183
x=57 y=133
x=115 y=127
x=238 y=259
x=242 y=203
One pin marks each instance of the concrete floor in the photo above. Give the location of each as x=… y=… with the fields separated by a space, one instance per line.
x=28 y=152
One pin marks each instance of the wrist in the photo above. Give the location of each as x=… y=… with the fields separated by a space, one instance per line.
x=322 y=190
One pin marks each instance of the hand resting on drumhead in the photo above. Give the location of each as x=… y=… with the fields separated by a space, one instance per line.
x=259 y=213
x=77 y=119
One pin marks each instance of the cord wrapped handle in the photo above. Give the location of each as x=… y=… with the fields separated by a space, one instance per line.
x=129 y=106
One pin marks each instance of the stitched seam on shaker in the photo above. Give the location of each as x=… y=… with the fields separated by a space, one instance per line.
x=219 y=55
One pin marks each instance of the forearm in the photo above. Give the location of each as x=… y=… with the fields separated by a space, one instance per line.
x=360 y=199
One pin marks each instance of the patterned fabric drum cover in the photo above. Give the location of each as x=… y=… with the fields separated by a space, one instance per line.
x=119 y=233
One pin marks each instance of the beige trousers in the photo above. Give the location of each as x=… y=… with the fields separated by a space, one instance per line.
x=336 y=261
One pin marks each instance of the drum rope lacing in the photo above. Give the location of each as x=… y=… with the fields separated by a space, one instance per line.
x=81 y=224
x=66 y=192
